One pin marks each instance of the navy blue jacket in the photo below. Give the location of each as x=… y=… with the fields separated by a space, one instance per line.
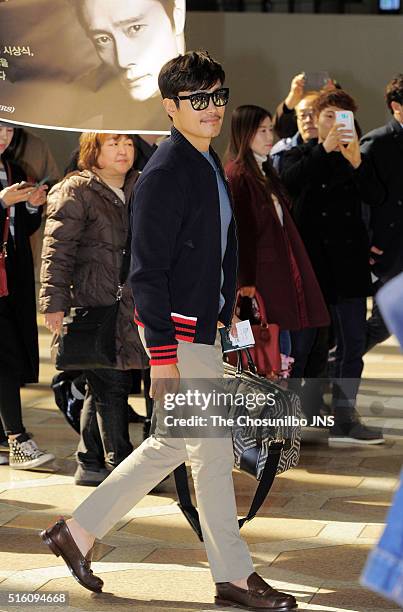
x=384 y=147
x=176 y=250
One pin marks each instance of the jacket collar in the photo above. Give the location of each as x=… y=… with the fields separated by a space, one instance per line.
x=396 y=127
x=99 y=185
x=397 y=133
x=179 y=139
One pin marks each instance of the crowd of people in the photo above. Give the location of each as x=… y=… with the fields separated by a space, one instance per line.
x=318 y=224
x=318 y=219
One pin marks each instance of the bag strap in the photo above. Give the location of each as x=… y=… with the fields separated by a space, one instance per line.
x=262 y=491
x=251 y=364
x=125 y=266
x=6 y=230
x=266 y=481
x=185 y=501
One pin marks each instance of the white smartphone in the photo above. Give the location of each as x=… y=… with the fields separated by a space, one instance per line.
x=347 y=118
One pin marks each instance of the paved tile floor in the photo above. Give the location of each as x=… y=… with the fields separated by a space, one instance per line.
x=311 y=538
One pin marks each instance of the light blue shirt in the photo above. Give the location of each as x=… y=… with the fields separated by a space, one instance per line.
x=225 y=216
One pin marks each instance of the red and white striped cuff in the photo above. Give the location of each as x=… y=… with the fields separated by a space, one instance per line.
x=185 y=327
x=163 y=355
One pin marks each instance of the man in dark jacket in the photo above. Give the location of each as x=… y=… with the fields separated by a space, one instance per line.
x=184 y=281
x=328 y=180
x=384 y=146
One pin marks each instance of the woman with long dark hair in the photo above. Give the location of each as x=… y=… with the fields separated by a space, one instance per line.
x=20 y=217
x=272 y=257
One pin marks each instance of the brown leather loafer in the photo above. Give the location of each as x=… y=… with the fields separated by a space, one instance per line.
x=62 y=544
x=259 y=596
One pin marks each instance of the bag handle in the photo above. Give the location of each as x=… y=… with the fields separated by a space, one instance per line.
x=6 y=230
x=261 y=306
x=251 y=364
x=261 y=493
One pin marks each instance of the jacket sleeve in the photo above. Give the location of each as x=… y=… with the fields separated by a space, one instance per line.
x=302 y=165
x=246 y=223
x=64 y=227
x=157 y=213
x=285 y=122
x=371 y=189
x=32 y=218
x=382 y=216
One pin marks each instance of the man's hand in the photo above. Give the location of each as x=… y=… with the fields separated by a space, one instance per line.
x=54 y=321
x=336 y=138
x=233 y=330
x=352 y=152
x=375 y=251
x=164 y=379
x=247 y=292
x=296 y=92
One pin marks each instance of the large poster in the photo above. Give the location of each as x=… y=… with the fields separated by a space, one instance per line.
x=87 y=64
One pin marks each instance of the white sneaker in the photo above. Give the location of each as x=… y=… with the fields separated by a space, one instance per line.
x=25 y=455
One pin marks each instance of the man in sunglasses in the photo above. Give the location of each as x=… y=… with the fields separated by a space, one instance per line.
x=184 y=280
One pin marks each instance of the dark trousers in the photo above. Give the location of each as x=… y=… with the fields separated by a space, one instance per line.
x=11 y=364
x=104 y=422
x=349 y=322
x=10 y=406
x=310 y=348
x=377 y=331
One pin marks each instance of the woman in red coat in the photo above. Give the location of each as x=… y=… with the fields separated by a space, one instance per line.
x=272 y=257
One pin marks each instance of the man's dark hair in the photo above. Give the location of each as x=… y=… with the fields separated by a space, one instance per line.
x=334 y=97
x=394 y=91
x=193 y=71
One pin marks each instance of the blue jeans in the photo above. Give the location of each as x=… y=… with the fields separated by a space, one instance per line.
x=384 y=569
x=285 y=342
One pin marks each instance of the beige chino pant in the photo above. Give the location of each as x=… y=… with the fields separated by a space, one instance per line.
x=211 y=461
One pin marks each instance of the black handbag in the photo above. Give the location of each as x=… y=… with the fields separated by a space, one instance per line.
x=260 y=451
x=88 y=341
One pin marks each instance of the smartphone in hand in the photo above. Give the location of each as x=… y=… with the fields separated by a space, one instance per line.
x=347 y=118
x=25 y=185
x=315 y=81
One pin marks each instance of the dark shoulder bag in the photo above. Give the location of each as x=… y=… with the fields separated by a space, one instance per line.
x=88 y=341
x=259 y=451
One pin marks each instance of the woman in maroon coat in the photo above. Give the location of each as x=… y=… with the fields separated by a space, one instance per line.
x=272 y=257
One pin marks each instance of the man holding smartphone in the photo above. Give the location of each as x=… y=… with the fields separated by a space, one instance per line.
x=329 y=179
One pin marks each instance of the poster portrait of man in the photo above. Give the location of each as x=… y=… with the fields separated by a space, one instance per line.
x=87 y=64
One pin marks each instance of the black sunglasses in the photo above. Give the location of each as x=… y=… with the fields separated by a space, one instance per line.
x=200 y=101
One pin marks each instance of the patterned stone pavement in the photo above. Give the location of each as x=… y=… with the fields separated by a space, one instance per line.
x=311 y=538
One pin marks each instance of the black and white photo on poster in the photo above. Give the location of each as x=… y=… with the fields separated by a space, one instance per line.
x=87 y=64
